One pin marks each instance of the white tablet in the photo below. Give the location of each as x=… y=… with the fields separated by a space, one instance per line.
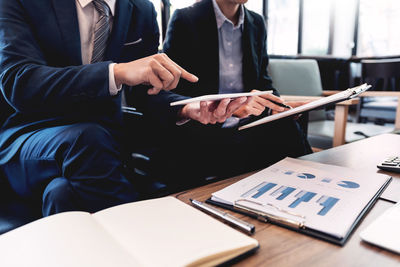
x=218 y=97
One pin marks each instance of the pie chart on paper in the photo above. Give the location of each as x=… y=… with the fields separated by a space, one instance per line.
x=306 y=176
x=348 y=184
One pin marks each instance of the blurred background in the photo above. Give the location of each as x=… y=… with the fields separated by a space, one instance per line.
x=340 y=28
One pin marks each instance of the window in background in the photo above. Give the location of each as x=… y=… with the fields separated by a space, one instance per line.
x=176 y=4
x=157 y=6
x=316 y=27
x=343 y=32
x=283 y=23
x=379 y=24
x=255 y=5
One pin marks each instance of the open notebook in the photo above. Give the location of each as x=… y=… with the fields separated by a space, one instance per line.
x=157 y=232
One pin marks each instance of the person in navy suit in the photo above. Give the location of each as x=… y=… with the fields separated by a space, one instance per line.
x=225 y=45
x=63 y=64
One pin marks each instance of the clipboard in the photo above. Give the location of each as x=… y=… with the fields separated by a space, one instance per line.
x=250 y=189
x=263 y=217
x=332 y=99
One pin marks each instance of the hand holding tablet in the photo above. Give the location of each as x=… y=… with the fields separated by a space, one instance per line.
x=218 y=97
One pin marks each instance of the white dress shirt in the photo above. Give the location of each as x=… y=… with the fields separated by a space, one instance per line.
x=87 y=18
x=230 y=56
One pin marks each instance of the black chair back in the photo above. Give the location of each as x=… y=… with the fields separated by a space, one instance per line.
x=382 y=74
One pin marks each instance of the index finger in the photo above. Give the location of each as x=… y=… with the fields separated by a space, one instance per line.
x=272 y=97
x=185 y=74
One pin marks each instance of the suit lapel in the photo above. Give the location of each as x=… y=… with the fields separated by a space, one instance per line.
x=123 y=13
x=68 y=23
x=210 y=44
x=249 y=44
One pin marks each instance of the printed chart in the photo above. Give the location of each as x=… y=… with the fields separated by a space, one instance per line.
x=321 y=197
x=348 y=184
x=280 y=192
x=306 y=176
x=293 y=197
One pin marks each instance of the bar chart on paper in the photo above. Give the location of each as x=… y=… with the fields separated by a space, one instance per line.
x=302 y=196
x=321 y=197
x=259 y=190
x=327 y=203
x=270 y=193
x=282 y=192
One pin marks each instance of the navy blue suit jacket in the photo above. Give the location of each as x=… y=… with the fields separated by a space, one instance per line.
x=42 y=78
x=192 y=42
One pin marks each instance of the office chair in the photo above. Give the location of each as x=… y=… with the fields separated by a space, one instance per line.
x=299 y=79
x=384 y=76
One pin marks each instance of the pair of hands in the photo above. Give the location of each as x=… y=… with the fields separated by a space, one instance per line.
x=218 y=111
x=162 y=73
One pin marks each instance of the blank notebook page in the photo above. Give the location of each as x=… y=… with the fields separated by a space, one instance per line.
x=168 y=232
x=63 y=240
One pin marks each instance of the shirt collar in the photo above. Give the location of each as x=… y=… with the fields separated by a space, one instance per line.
x=110 y=3
x=221 y=18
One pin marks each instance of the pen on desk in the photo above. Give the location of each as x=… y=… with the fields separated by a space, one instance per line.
x=245 y=226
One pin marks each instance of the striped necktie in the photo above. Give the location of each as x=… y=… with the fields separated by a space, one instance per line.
x=101 y=31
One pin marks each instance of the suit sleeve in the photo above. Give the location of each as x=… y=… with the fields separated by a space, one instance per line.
x=26 y=80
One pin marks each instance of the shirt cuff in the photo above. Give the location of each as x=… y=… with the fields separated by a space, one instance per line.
x=182 y=122
x=231 y=122
x=112 y=86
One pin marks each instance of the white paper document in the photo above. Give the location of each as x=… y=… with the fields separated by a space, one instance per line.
x=217 y=97
x=324 y=198
x=385 y=230
x=346 y=94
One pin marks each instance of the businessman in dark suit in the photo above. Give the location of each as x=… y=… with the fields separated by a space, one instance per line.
x=63 y=64
x=225 y=45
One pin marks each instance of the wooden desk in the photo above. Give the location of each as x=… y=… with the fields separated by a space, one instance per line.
x=283 y=247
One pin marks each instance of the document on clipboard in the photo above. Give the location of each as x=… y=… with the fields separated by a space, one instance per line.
x=338 y=97
x=324 y=201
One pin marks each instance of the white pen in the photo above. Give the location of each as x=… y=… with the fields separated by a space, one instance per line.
x=245 y=226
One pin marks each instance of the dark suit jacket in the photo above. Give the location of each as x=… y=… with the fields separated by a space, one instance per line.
x=192 y=41
x=41 y=73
